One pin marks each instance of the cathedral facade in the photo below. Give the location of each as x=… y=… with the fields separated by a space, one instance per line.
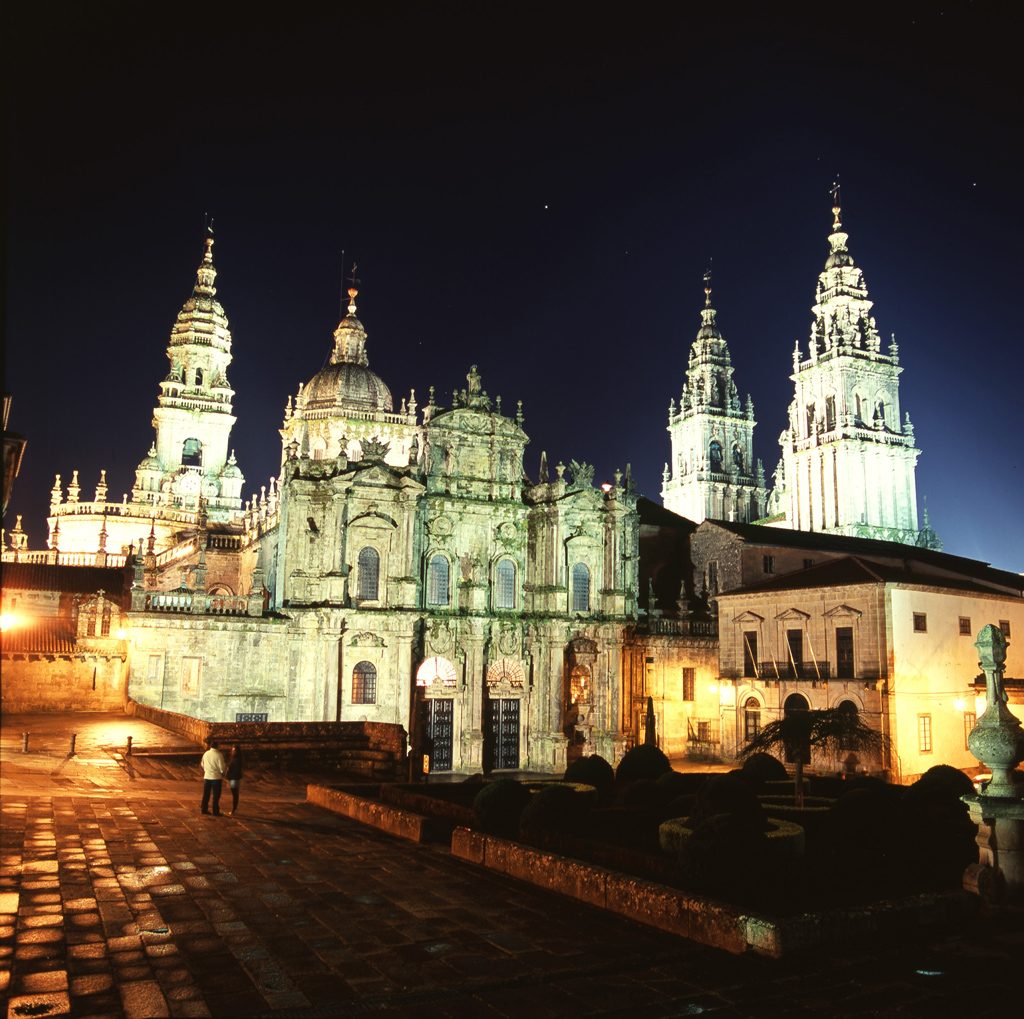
x=403 y=569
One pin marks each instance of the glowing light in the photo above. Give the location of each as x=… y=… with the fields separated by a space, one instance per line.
x=713 y=687
x=959 y=704
x=7 y=620
x=606 y=487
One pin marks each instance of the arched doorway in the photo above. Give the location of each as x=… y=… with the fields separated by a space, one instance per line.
x=799 y=746
x=436 y=679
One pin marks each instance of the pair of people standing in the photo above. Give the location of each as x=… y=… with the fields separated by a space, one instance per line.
x=215 y=770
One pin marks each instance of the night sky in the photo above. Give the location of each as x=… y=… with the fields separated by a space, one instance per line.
x=536 y=190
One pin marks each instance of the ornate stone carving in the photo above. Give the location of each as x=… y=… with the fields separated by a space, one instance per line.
x=366 y=639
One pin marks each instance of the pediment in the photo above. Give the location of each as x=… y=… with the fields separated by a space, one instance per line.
x=794 y=615
x=843 y=612
x=748 y=617
x=371 y=517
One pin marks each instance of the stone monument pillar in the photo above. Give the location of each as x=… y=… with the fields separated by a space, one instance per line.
x=997 y=741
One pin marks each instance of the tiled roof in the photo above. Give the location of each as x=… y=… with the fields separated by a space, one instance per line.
x=860 y=570
x=54 y=636
x=113 y=581
x=868 y=548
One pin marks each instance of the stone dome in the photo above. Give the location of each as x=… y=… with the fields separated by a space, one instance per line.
x=347 y=383
x=346 y=386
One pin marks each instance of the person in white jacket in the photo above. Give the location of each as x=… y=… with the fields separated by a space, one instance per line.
x=214 y=768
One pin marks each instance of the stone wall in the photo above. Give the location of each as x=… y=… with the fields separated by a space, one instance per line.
x=63 y=683
x=371 y=749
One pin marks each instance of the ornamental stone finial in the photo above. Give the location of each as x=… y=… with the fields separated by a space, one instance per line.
x=997 y=740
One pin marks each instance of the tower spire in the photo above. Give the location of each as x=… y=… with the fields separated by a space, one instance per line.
x=837 y=207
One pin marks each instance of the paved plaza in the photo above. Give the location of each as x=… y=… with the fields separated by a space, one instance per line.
x=118 y=898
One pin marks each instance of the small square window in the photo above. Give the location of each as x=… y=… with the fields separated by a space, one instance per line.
x=768 y=562
x=1004 y=625
x=965 y=626
x=920 y=622
x=924 y=733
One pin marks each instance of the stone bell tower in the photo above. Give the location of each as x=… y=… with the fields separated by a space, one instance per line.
x=713 y=472
x=848 y=458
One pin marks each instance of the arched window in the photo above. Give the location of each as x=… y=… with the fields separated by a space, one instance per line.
x=737 y=458
x=192 y=453
x=859 y=408
x=810 y=420
x=437 y=581
x=364 y=683
x=751 y=718
x=715 y=455
x=505 y=584
x=880 y=414
x=199 y=376
x=580 y=588
x=369 y=574
x=830 y=413
x=798 y=747
x=851 y=716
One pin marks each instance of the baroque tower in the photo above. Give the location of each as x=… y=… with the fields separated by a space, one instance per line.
x=713 y=472
x=188 y=477
x=848 y=460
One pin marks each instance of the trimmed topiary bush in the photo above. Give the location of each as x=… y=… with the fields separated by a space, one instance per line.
x=760 y=768
x=555 y=809
x=945 y=780
x=497 y=808
x=785 y=840
x=728 y=794
x=716 y=857
x=642 y=762
x=643 y=793
x=593 y=770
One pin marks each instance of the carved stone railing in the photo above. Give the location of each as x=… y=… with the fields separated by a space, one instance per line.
x=184 y=601
x=683 y=627
x=51 y=557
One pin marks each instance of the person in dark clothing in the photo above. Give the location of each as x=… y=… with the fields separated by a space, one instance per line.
x=234 y=775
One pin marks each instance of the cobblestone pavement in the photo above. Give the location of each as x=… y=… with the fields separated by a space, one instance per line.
x=124 y=901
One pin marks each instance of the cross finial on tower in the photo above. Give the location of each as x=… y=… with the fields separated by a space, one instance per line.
x=836 y=203
x=353 y=289
x=707 y=285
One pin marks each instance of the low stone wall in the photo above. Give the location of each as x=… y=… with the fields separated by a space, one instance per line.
x=393 y=820
x=702 y=920
x=62 y=683
x=194 y=729
x=375 y=750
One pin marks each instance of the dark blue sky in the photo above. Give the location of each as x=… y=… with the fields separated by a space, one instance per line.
x=534 y=190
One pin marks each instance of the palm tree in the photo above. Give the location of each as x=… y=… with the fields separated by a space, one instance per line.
x=800 y=732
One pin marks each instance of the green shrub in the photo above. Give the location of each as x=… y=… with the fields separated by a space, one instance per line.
x=498 y=806
x=554 y=809
x=676 y=783
x=945 y=781
x=784 y=839
x=761 y=768
x=593 y=770
x=643 y=793
x=728 y=794
x=642 y=762
x=716 y=858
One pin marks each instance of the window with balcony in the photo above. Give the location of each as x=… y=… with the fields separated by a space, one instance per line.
x=689 y=684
